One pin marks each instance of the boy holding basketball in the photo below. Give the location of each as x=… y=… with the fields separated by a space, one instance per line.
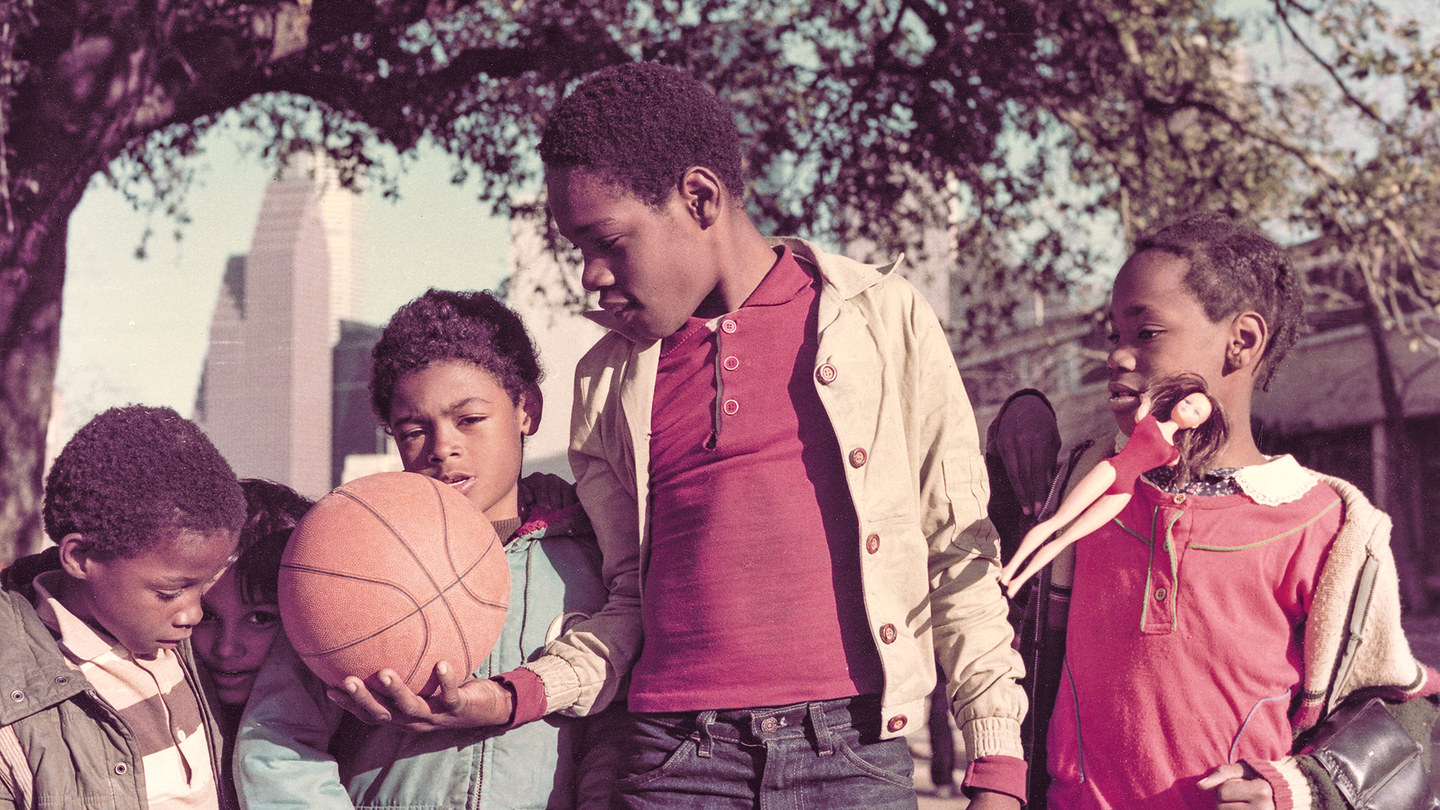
x=456 y=382
x=776 y=442
x=103 y=700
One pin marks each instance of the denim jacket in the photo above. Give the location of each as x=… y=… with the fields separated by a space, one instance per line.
x=929 y=556
x=81 y=753
x=297 y=749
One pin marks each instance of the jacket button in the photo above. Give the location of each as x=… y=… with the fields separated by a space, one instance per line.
x=887 y=633
x=826 y=374
x=1179 y=497
x=872 y=543
x=732 y=407
x=121 y=768
x=61 y=680
x=729 y=326
x=896 y=723
x=17 y=696
x=857 y=457
x=1160 y=594
x=731 y=363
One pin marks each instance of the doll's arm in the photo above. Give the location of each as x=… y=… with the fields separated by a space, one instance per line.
x=1086 y=492
x=1099 y=513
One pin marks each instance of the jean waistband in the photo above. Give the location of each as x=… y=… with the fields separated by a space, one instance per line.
x=758 y=725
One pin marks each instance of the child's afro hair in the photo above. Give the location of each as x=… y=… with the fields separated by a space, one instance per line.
x=640 y=126
x=444 y=325
x=1232 y=269
x=134 y=477
x=273 y=512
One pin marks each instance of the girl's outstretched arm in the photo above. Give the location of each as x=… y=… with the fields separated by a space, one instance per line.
x=1086 y=492
x=1099 y=513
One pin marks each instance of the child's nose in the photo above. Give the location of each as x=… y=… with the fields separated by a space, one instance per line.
x=190 y=610
x=229 y=644
x=1120 y=359
x=596 y=275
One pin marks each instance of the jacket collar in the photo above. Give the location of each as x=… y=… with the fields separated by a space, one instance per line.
x=843 y=278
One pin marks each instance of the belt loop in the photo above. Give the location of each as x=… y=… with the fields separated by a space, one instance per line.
x=702 y=732
x=824 y=742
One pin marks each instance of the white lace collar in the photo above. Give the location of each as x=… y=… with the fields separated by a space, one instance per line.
x=1279 y=480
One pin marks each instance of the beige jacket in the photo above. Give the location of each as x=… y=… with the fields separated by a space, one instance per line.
x=929 y=556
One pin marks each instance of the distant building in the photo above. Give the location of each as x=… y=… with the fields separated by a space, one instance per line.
x=266 y=391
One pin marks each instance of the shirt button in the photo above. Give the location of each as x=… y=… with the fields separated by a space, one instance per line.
x=121 y=768
x=61 y=680
x=731 y=363
x=769 y=724
x=728 y=326
x=887 y=633
x=872 y=543
x=1179 y=497
x=1160 y=594
x=17 y=696
x=857 y=457
x=895 y=723
x=826 y=374
x=731 y=407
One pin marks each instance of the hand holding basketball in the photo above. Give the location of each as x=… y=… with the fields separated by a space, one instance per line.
x=474 y=703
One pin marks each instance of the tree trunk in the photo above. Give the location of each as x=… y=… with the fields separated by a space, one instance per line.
x=31 y=288
x=1397 y=497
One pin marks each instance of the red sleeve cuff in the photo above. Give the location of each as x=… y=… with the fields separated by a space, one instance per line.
x=998 y=773
x=528 y=692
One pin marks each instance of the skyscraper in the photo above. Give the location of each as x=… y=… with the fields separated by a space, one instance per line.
x=266 y=393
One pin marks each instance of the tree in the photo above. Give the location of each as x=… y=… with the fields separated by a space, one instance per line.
x=1036 y=117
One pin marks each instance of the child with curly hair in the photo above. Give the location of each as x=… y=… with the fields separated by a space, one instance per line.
x=456 y=383
x=1208 y=620
x=104 y=697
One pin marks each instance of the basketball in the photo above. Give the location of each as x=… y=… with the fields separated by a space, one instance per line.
x=393 y=570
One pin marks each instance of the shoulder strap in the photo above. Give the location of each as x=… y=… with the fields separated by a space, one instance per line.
x=15 y=773
x=1354 y=637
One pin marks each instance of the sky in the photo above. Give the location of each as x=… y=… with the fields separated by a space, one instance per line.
x=135 y=330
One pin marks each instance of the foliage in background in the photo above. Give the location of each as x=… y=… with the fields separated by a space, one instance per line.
x=1021 y=127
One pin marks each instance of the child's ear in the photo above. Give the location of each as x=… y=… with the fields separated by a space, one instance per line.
x=1248 y=336
x=703 y=194
x=532 y=403
x=75 y=555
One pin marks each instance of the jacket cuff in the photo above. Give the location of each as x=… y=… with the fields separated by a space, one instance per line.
x=1287 y=783
x=528 y=693
x=561 y=684
x=1000 y=774
x=993 y=736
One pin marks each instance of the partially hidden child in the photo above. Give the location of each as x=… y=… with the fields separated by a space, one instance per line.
x=1209 y=619
x=456 y=383
x=103 y=704
x=241 y=615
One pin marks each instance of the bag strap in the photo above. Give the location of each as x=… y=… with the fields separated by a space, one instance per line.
x=15 y=773
x=1359 y=606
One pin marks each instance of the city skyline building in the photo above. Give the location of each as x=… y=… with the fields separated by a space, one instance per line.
x=268 y=383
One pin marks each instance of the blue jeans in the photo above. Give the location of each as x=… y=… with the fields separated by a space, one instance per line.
x=826 y=754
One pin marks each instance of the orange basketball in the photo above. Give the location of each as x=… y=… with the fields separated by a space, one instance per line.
x=393 y=570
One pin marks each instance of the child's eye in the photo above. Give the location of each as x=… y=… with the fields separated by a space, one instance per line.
x=168 y=596
x=471 y=421
x=1148 y=334
x=1113 y=338
x=263 y=618
x=208 y=615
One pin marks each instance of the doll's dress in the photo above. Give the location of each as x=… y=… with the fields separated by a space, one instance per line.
x=1146 y=450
